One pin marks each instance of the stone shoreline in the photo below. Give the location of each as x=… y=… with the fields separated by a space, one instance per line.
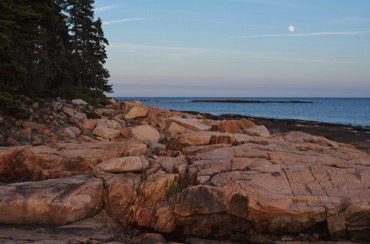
x=135 y=174
x=358 y=136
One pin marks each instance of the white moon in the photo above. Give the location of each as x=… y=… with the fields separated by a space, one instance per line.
x=291 y=28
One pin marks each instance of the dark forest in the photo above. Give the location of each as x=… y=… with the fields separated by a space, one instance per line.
x=51 y=48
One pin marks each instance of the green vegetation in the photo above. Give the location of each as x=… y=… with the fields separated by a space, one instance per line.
x=173 y=189
x=10 y=104
x=92 y=115
x=51 y=48
x=138 y=192
x=93 y=97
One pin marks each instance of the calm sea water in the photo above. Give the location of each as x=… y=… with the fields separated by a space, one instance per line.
x=349 y=111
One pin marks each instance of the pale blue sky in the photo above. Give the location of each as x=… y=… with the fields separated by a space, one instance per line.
x=238 y=47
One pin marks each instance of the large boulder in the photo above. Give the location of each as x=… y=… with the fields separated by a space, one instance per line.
x=146 y=132
x=233 y=126
x=200 y=138
x=106 y=133
x=51 y=202
x=106 y=123
x=259 y=130
x=89 y=124
x=73 y=113
x=144 y=202
x=173 y=129
x=137 y=112
x=61 y=159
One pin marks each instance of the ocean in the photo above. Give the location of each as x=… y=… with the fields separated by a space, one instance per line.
x=347 y=111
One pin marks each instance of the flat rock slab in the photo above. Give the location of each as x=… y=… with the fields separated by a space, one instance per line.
x=192 y=124
x=60 y=159
x=51 y=202
x=125 y=164
x=286 y=184
x=200 y=138
x=11 y=235
x=357 y=136
x=98 y=229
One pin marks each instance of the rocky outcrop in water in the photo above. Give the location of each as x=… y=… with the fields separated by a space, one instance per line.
x=178 y=174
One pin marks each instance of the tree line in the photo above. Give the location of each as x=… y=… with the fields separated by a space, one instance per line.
x=52 y=47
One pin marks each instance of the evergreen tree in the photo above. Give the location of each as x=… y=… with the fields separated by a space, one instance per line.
x=42 y=69
x=99 y=75
x=58 y=50
x=11 y=70
x=50 y=47
x=88 y=46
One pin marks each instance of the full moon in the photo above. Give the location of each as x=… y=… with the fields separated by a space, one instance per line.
x=291 y=28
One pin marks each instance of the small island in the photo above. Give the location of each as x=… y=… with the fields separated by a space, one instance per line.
x=246 y=101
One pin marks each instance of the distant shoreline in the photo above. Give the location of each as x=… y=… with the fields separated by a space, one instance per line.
x=245 y=101
x=341 y=111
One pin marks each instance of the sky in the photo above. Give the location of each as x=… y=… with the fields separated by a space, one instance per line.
x=237 y=48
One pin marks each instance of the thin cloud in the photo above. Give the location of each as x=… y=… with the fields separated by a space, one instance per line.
x=305 y=60
x=161 y=50
x=105 y=8
x=281 y=3
x=348 y=33
x=167 y=51
x=123 y=20
x=349 y=20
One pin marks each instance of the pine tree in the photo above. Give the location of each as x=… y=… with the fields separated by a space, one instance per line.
x=88 y=44
x=58 y=50
x=11 y=71
x=50 y=47
x=99 y=75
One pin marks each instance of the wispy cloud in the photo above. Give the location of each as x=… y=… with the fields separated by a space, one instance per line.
x=349 y=20
x=123 y=20
x=345 y=33
x=105 y=8
x=161 y=50
x=306 y=60
x=167 y=51
x=281 y=3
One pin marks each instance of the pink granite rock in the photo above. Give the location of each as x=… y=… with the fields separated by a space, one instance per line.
x=51 y=202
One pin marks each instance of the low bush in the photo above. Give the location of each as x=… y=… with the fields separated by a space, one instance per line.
x=10 y=104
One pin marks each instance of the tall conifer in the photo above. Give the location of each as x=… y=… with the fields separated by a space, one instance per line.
x=50 y=47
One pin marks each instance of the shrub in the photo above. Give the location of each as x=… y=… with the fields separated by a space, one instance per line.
x=10 y=106
x=95 y=98
x=173 y=189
